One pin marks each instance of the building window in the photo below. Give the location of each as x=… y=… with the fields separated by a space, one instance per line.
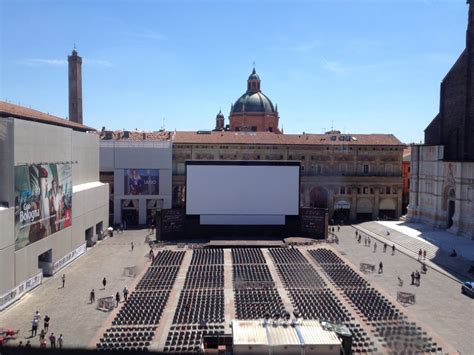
x=394 y=190
x=366 y=190
x=358 y=190
x=349 y=190
x=343 y=169
x=408 y=169
x=343 y=190
x=366 y=169
x=387 y=190
x=371 y=190
x=302 y=157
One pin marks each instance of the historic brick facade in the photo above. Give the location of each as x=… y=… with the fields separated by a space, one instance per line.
x=357 y=177
x=442 y=170
x=453 y=127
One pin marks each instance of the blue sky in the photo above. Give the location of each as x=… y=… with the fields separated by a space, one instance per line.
x=360 y=66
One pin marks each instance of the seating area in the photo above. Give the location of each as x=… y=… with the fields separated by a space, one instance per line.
x=204 y=305
x=247 y=256
x=319 y=304
x=390 y=325
x=373 y=305
x=135 y=324
x=200 y=309
x=319 y=284
x=127 y=338
x=255 y=295
x=408 y=337
x=312 y=299
x=187 y=338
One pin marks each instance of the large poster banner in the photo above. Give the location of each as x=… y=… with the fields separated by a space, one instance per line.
x=43 y=201
x=141 y=182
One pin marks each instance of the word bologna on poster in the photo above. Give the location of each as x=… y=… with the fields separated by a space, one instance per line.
x=43 y=201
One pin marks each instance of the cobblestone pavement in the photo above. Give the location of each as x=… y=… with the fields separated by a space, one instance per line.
x=439 y=302
x=69 y=309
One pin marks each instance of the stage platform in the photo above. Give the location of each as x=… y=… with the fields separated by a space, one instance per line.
x=246 y=243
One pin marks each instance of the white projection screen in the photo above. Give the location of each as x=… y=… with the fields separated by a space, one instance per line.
x=242 y=192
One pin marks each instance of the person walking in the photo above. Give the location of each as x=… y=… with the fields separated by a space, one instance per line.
x=131 y=246
x=417 y=278
x=125 y=293
x=104 y=282
x=424 y=254
x=37 y=315
x=384 y=247
x=52 y=340
x=63 y=279
x=46 y=323
x=92 y=296
x=393 y=249
x=412 y=278
x=28 y=344
x=60 y=341
x=420 y=253
x=375 y=247
x=117 y=298
x=380 y=268
x=34 y=327
x=43 y=344
x=42 y=335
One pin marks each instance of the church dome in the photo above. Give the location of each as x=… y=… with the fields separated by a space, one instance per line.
x=253 y=102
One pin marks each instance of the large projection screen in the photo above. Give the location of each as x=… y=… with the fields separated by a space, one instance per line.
x=242 y=189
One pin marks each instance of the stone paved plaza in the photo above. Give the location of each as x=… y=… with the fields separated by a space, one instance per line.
x=440 y=310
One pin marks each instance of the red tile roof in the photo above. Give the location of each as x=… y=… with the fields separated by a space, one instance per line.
x=284 y=139
x=25 y=113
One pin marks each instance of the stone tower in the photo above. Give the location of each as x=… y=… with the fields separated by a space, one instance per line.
x=75 y=87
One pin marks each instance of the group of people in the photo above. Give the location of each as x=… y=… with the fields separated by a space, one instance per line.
x=125 y=296
x=42 y=336
x=117 y=295
x=368 y=242
x=421 y=255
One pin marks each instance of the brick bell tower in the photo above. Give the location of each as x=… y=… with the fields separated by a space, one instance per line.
x=75 y=87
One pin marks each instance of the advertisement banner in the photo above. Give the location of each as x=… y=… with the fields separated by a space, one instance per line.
x=141 y=182
x=24 y=287
x=43 y=201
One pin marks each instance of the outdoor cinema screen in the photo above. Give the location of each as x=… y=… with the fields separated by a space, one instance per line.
x=242 y=188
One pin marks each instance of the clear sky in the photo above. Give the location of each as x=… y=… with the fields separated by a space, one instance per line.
x=360 y=66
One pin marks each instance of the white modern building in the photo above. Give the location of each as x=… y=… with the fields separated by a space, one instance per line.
x=52 y=203
x=137 y=166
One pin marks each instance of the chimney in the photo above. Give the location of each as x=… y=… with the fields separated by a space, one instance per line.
x=75 y=87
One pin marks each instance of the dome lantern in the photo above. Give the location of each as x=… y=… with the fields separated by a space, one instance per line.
x=253 y=82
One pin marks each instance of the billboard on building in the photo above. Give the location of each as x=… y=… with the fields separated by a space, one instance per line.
x=43 y=201
x=141 y=182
